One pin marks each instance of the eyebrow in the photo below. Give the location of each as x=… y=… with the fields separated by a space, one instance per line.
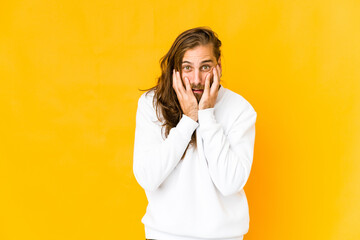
x=205 y=61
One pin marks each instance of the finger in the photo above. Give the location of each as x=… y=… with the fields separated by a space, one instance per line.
x=207 y=83
x=215 y=84
x=180 y=83
x=219 y=71
x=175 y=84
x=174 y=80
x=187 y=84
x=188 y=88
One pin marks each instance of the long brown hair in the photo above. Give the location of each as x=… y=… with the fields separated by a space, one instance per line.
x=168 y=108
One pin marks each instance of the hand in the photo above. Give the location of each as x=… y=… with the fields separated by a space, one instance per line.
x=186 y=97
x=208 y=99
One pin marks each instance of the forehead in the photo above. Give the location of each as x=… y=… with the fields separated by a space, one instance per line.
x=199 y=53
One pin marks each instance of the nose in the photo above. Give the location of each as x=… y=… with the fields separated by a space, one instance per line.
x=197 y=77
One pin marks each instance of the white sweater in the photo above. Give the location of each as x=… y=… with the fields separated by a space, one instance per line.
x=202 y=195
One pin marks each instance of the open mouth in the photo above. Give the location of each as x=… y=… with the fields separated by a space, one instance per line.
x=197 y=90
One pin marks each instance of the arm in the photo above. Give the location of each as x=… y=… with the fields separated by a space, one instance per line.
x=229 y=157
x=154 y=157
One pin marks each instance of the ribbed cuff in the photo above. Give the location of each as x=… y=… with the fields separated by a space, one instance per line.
x=206 y=117
x=186 y=126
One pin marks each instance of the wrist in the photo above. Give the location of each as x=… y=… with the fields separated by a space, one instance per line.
x=205 y=106
x=192 y=116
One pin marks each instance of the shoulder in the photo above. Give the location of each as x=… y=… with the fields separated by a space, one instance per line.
x=146 y=105
x=236 y=101
x=147 y=111
x=146 y=99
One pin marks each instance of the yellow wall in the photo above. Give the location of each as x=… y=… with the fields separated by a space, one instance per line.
x=69 y=74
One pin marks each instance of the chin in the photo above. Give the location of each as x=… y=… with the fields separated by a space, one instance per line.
x=198 y=97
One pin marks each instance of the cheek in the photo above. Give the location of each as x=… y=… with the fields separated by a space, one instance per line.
x=188 y=75
x=203 y=77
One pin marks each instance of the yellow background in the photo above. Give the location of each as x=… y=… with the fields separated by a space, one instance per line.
x=70 y=73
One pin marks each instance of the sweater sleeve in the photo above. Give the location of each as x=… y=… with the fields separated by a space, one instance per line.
x=154 y=157
x=229 y=156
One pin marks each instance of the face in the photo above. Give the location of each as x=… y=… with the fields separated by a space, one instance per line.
x=196 y=64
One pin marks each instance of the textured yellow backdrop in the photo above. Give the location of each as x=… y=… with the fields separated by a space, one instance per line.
x=70 y=73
